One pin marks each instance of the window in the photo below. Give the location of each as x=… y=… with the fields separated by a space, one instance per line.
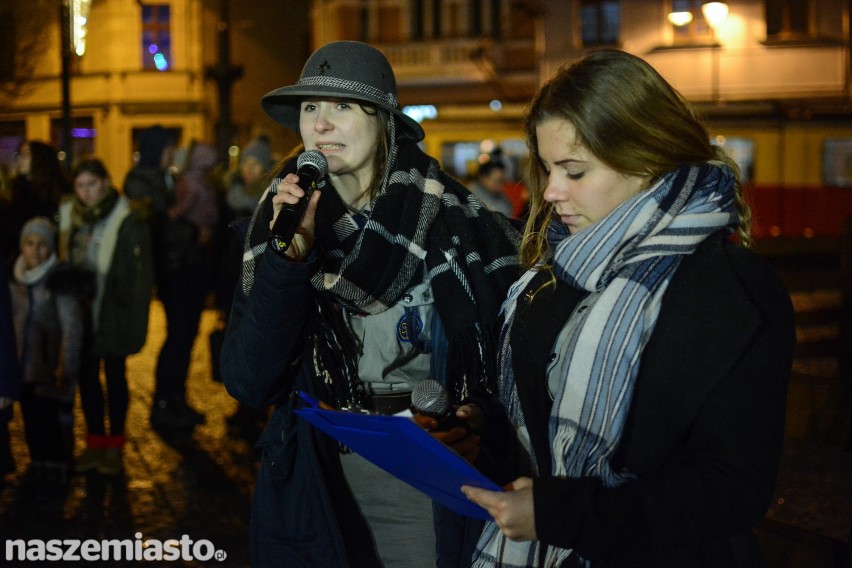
x=83 y=136
x=601 y=22
x=787 y=19
x=805 y=21
x=741 y=150
x=696 y=29
x=12 y=133
x=837 y=162
x=156 y=37
x=484 y=18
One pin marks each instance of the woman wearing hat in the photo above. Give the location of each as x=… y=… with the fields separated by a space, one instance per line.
x=395 y=276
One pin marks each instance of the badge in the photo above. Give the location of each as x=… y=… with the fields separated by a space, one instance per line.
x=409 y=326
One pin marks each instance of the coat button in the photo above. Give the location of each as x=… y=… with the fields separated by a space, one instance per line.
x=408 y=298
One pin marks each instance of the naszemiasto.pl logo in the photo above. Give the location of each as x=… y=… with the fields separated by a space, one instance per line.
x=92 y=550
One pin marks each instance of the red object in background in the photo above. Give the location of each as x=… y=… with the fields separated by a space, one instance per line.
x=800 y=211
x=517 y=194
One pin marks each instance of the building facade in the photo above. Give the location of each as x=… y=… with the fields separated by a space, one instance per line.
x=771 y=78
x=149 y=63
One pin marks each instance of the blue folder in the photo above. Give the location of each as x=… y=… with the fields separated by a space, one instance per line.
x=401 y=447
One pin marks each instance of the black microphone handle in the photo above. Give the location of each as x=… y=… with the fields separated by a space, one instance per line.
x=284 y=228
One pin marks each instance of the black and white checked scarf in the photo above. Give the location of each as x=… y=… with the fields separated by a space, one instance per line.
x=625 y=262
x=421 y=216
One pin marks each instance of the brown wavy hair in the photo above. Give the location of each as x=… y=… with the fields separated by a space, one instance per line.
x=627 y=116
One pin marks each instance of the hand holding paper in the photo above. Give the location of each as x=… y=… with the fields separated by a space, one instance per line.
x=512 y=510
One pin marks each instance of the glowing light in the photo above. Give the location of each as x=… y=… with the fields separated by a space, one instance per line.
x=495 y=105
x=160 y=62
x=715 y=13
x=79 y=18
x=83 y=133
x=152 y=49
x=680 y=18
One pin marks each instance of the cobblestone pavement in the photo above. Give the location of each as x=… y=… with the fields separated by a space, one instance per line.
x=200 y=485
x=197 y=485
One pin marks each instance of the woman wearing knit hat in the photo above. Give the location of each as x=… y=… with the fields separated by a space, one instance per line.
x=249 y=181
x=395 y=275
x=102 y=233
x=47 y=308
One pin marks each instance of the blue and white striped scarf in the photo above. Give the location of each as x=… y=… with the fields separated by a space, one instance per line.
x=625 y=262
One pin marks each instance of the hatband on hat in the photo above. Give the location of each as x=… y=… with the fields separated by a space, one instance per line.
x=344 y=69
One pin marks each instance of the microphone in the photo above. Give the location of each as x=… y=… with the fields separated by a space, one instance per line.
x=430 y=398
x=311 y=167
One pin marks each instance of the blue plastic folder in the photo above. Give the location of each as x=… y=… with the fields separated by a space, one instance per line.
x=405 y=450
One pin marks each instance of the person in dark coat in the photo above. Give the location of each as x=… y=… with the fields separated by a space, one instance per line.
x=47 y=303
x=645 y=354
x=395 y=276
x=10 y=376
x=38 y=186
x=102 y=232
x=185 y=278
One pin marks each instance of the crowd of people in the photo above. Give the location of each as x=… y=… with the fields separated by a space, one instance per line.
x=83 y=257
x=616 y=355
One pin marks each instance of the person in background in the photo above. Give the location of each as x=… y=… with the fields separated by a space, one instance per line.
x=47 y=305
x=395 y=276
x=39 y=183
x=102 y=232
x=9 y=222
x=245 y=188
x=183 y=284
x=645 y=354
x=10 y=377
x=488 y=187
x=151 y=180
x=250 y=180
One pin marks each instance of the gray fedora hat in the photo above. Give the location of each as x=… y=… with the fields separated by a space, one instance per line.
x=345 y=69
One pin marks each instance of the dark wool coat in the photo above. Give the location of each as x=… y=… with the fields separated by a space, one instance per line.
x=704 y=432
x=303 y=512
x=10 y=377
x=122 y=325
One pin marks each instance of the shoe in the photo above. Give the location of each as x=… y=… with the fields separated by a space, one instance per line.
x=112 y=462
x=90 y=459
x=174 y=415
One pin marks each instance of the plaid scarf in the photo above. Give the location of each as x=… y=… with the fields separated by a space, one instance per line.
x=625 y=262
x=422 y=219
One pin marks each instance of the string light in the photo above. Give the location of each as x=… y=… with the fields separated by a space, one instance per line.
x=79 y=20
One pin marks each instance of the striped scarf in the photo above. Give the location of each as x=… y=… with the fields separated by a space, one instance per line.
x=421 y=219
x=625 y=262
